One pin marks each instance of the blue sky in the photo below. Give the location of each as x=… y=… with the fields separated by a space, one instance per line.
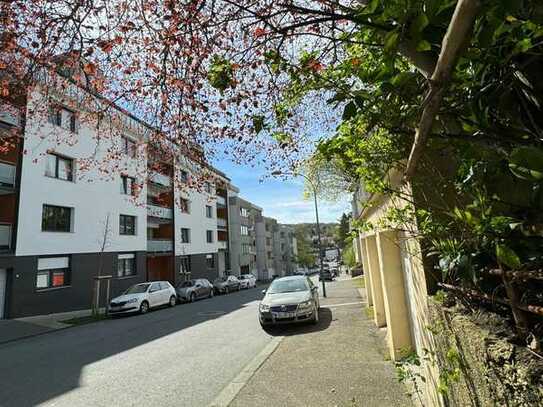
x=279 y=199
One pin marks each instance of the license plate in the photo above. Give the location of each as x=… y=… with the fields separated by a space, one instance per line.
x=284 y=314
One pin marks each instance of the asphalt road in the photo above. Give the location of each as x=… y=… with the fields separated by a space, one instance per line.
x=181 y=356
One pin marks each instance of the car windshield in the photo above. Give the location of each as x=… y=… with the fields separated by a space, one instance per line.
x=137 y=289
x=185 y=284
x=288 y=286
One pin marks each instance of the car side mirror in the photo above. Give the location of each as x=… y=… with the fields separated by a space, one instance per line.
x=263 y=291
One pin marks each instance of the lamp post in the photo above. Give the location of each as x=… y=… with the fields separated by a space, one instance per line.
x=314 y=189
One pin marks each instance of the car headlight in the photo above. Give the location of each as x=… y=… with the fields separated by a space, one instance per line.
x=305 y=305
x=264 y=307
x=132 y=300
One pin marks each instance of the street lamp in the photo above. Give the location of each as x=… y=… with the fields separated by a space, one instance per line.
x=279 y=173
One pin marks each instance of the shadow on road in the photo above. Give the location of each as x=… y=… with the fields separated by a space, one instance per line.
x=325 y=318
x=36 y=370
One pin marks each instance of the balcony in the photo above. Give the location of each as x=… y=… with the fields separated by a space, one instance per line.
x=222 y=223
x=7 y=175
x=160 y=179
x=221 y=200
x=5 y=236
x=222 y=244
x=159 y=212
x=159 y=245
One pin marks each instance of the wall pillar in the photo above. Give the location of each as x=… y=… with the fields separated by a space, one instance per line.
x=394 y=294
x=375 y=279
x=365 y=265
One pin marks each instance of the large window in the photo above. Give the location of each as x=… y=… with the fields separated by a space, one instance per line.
x=62 y=117
x=209 y=211
x=244 y=230
x=127 y=225
x=128 y=185
x=126 y=265
x=185 y=235
x=128 y=147
x=184 y=205
x=244 y=212
x=53 y=272
x=59 y=167
x=56 y=219
x=210 y=261
x=209 y=236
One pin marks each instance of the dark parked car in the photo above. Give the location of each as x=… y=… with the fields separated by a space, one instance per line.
x=226 y=284
x=192 y=290
x=326 y=276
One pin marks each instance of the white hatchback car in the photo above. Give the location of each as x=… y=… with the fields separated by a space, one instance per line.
x=247 y=280
x=142 y=297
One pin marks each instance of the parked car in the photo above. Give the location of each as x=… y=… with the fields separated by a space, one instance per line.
x=142 y=297
x=289 y=300
x=357 y=271
x=247 y=281
x=326 y=275
x=192 y=290
x=226 y=284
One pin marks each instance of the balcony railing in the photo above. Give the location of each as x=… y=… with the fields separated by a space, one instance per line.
x=222 y=223
x=159 y=178
x=7 y=174
x=159 y=212
x=222 y=244
x=221 y=200
x=159 y=245
x=5 y=236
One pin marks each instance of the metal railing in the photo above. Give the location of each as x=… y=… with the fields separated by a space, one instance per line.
x=159 y=178
x=159 y=212
x=159 y=245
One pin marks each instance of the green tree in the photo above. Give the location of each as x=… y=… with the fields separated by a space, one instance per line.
x=306 y=256
x=342 y=231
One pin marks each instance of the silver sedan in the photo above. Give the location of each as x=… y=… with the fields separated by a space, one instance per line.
x=289 y=300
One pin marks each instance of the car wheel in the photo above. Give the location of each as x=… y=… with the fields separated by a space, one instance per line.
x=144 y=307
x=192 y=297
x=173 y=301
x=210 y=294
x=226 y=290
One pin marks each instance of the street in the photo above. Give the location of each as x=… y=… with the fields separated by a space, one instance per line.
x=182 y=356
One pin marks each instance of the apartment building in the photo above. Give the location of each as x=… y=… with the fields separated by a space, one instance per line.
x=78 y=202
x=288 y=249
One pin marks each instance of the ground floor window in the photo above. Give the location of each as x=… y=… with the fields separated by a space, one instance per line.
x=53 y=272
x=210 y=261
x=126 y=265
x=184 y=268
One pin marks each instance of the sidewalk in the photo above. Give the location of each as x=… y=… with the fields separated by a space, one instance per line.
x=20 y=328
x=339 y=362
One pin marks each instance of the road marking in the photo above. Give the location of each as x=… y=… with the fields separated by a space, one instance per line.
x=342 y=305
x=228 y=394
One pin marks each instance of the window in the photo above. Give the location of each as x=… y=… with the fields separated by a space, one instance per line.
x=184 y=176
x=53 y=272
x=185 y=265
x=207 y=187
x=127 y=225
x=269 y=255
x=210 y=261
x=244 y=230
x=267 y=227
x=62 y=117
x=56 y=219
x=244 y=212
x=128 y=147
x=268 y=241
x=185 y=235
x=184 y=205
x=282 y=247
x=209 y=236
x=209 y=211
x=59 y=167
x=282 y=234
x=128 y=185
x=126 y=265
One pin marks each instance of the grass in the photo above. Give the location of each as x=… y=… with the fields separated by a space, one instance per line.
x=369 y=312
x=88 y=319
x=359 y=282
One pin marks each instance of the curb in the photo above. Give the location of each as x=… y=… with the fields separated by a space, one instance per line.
x=20 y=338
x=227 y=395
